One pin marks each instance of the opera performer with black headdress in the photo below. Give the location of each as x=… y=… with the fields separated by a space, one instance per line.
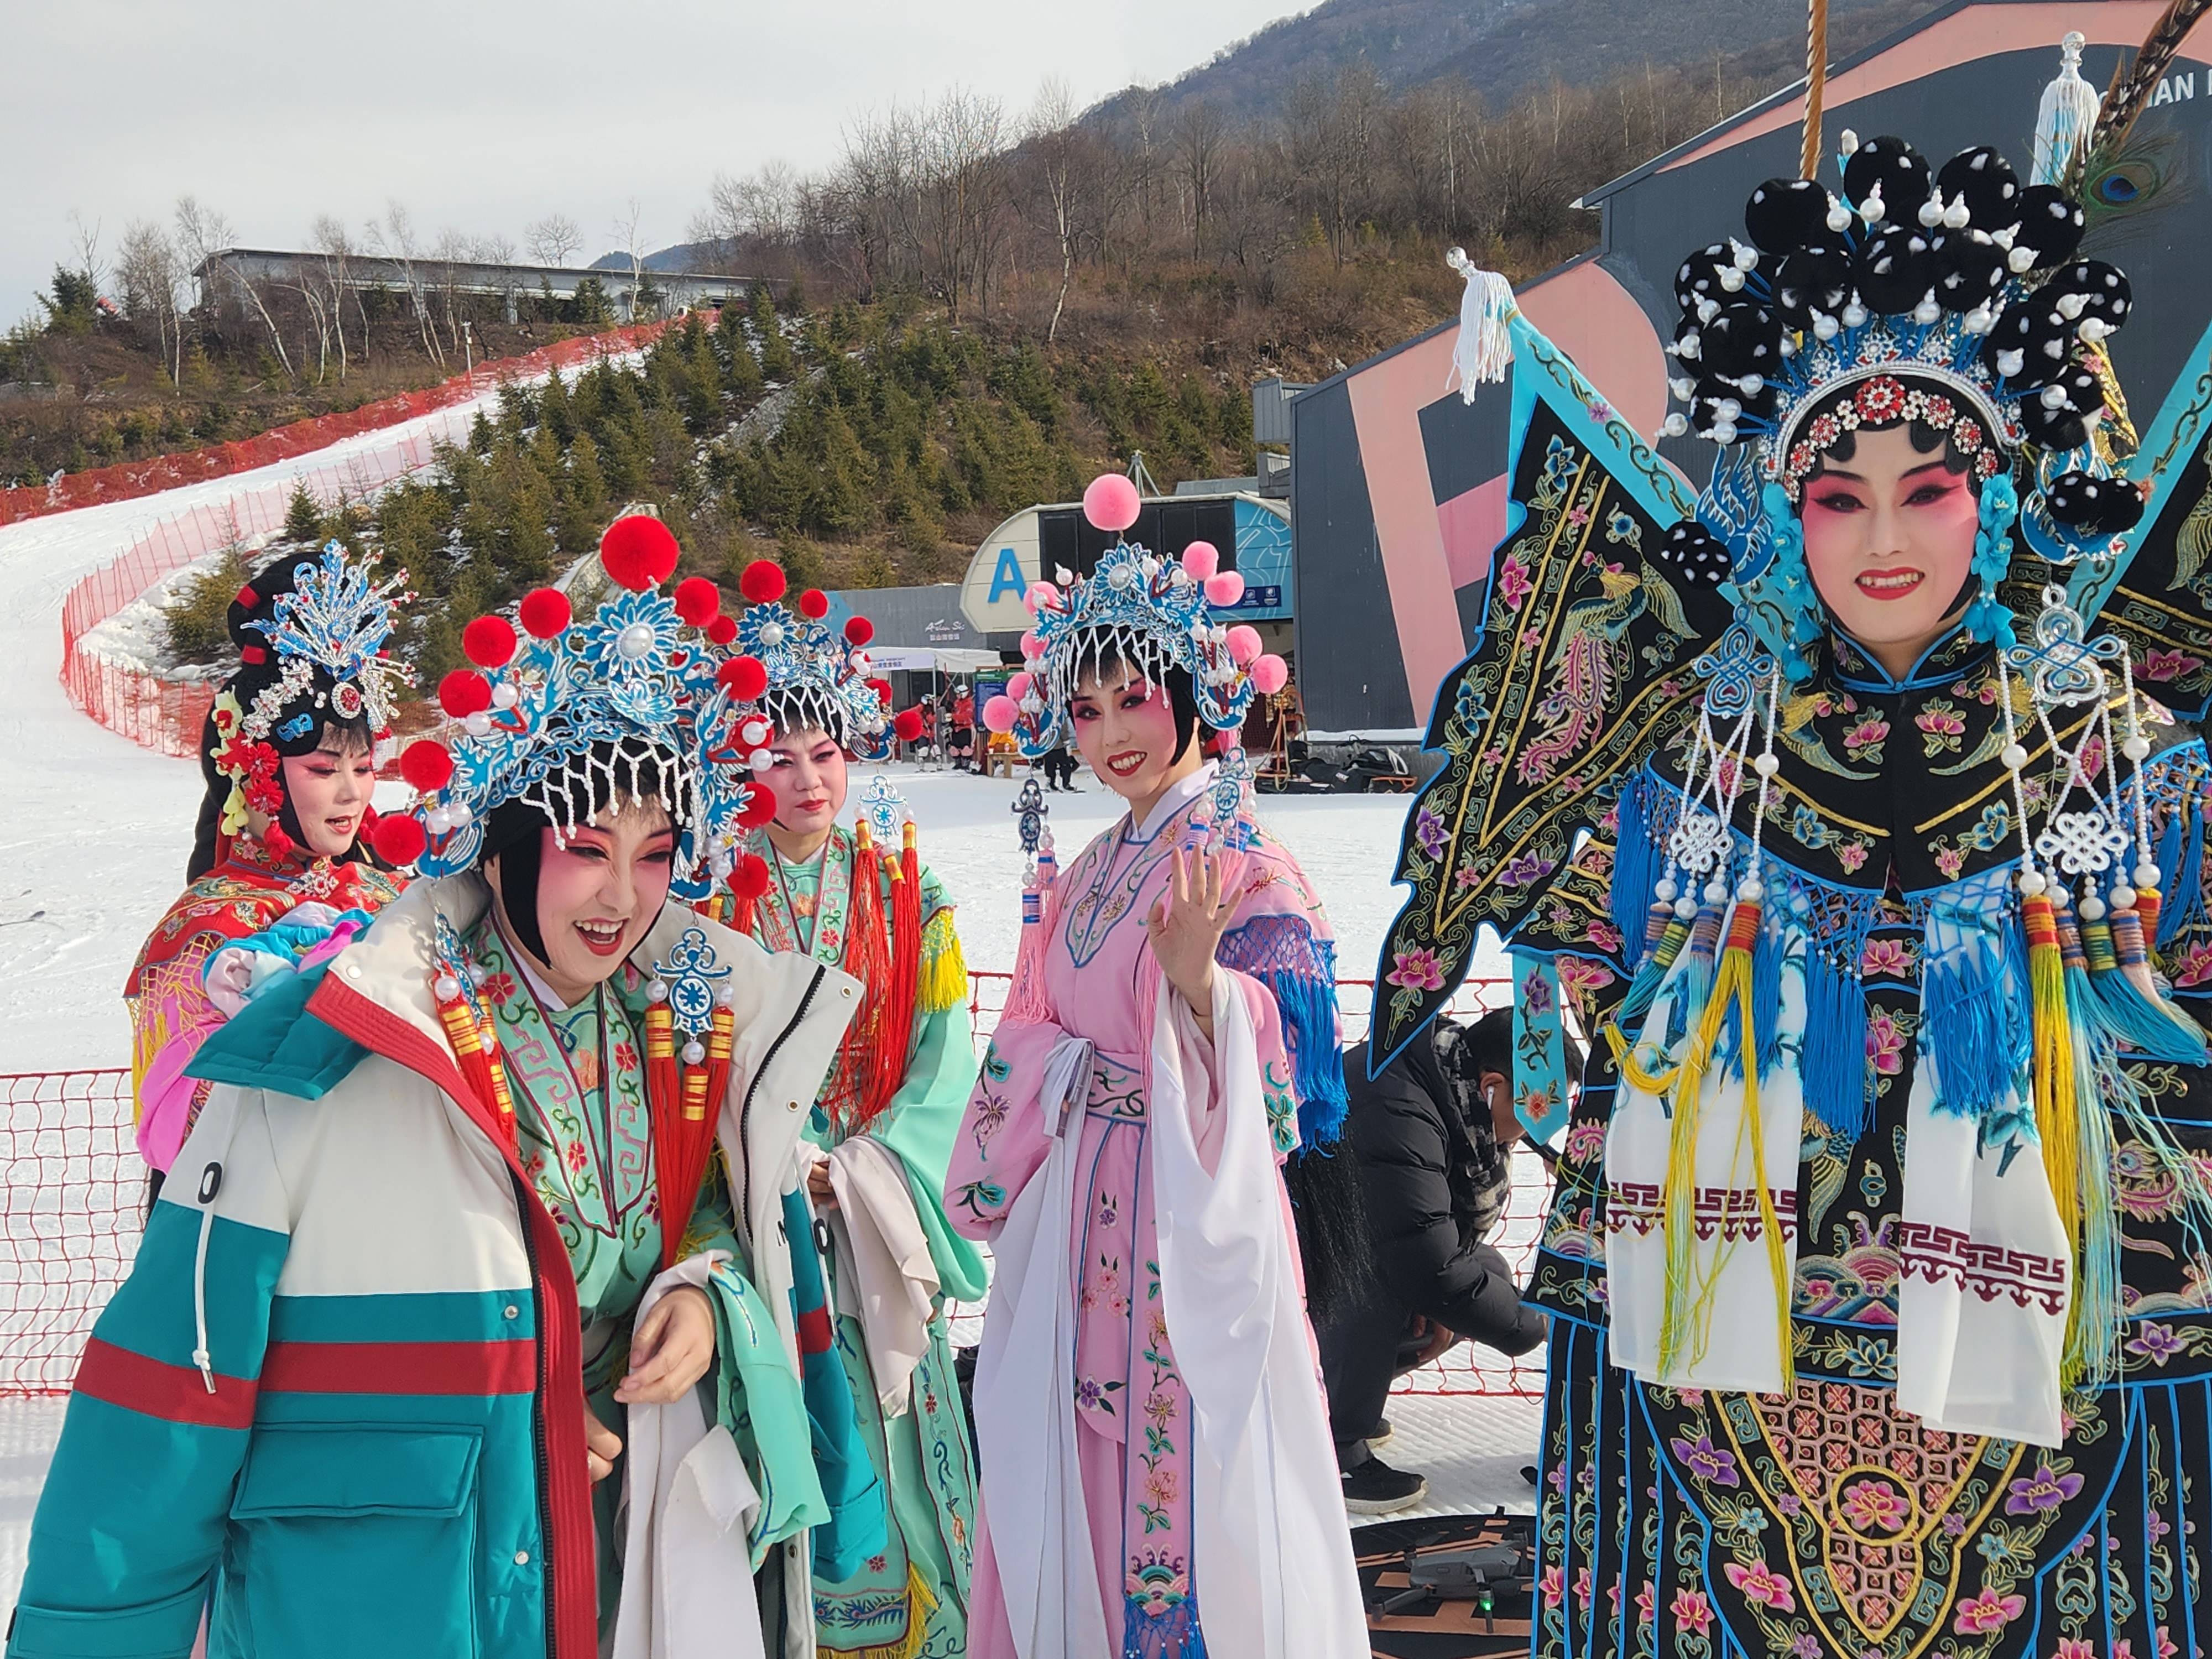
x=1879 y=1267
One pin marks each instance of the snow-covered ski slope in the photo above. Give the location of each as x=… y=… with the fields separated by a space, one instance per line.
x=94 y=830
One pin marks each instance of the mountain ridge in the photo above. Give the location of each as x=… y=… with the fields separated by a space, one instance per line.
x=1505 y=48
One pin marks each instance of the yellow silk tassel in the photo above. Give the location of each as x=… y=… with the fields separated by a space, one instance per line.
x=2055 y=1106
x=1686 y=1316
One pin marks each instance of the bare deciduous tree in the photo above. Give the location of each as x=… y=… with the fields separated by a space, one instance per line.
x=1200 y=136
x=394 y=238
x=152 y=282
x=629 y=238
x=84 y=242
x=204 y=233
x=554 y=240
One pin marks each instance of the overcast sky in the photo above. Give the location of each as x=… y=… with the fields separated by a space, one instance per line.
x=487 y=114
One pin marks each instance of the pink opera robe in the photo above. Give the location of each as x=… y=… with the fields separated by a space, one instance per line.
x=1175 y=1360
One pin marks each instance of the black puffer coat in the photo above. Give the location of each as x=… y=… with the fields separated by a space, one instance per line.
x=1434 y=1179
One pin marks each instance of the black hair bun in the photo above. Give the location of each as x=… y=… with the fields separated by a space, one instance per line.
x=1892 y=166
x=1784 y=215
x=2051 y=225
x=1739 y=339
x=2094 y=506
x=1693 y=554
x=2027 y=348
x=1988 y=184
x=1898 y=268
x=1699 y=279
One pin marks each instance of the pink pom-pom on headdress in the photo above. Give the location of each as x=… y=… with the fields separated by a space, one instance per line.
x=1111 y=502
x=1244 y=645
x=1040 y=596
x=1271 y=674
x=1224 y=588
x=1000 y=714
x=1032 y=646
x=1020 y=686
x=1200 y=560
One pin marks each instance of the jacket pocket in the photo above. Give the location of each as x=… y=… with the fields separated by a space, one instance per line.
x=350 y=1539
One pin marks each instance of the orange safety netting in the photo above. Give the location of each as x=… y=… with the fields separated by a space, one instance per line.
x=128 y=480
x=73 y=1193
x=165 y=714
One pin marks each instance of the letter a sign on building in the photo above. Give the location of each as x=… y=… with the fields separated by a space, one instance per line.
x=1001 y=572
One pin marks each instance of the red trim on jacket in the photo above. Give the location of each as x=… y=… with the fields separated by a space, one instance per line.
x=175 y=1394
x=430 y=1368
x=815 y=1333
x=576 y=1621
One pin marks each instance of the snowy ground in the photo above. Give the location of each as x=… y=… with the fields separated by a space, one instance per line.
x=95 y=832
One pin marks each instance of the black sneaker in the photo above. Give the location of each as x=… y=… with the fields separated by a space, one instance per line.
x=1375 y=1488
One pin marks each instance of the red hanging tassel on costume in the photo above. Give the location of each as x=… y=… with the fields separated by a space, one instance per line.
x=855 y=1092
x=896 y=1034
x=476 y=1051
x=665 y=1103
x=749 y=883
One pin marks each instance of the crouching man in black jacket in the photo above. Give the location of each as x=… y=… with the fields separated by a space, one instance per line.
x=1430 y=1138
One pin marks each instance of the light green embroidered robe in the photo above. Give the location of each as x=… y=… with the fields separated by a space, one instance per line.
x=589 y=1152
x=912 y=1601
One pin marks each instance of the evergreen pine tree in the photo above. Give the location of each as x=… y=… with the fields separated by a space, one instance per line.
x=554 y=412
x=303 y=520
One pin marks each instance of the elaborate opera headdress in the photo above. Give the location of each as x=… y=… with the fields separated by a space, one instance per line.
x=573 y=708
x=810 y=676
x=1153 y=613
x=1948 y=297
x=311 y=635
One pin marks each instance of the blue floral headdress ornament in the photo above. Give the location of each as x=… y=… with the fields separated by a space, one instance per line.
x=810 y=678
x=313 y=642
x=573 y=708
x=1151 y=613
x=337 y=620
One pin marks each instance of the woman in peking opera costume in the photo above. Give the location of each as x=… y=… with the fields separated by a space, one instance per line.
x=1158 y=1480
x=1878 y=1265
x=796 y=702
x=282 y=873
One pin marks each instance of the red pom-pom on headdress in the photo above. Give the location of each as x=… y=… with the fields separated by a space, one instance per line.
x=639 y=552
x=278 y=841
x=698 y=601
x=750 y=878
x=908 y=725
x=883 y=690
x=463 y=693
x=759 y=807
x=489 y=642
x=545 y=612
x=400 y=838
x=814 y=605
x=722 y=630
x=744 y=677
x=858 y=630
x=762 y=582
x=425 y=764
